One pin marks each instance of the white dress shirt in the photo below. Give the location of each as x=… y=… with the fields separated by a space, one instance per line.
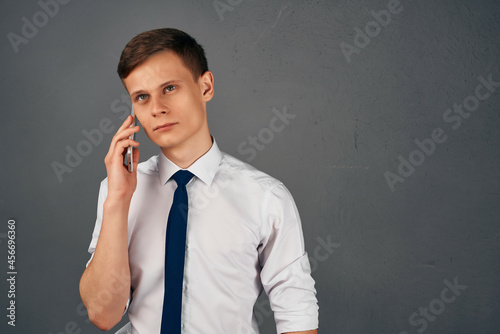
x=243 y=234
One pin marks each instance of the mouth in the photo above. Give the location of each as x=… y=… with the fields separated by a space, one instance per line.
x=164 y=127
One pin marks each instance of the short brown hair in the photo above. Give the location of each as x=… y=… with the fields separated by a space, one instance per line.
x=150 y=42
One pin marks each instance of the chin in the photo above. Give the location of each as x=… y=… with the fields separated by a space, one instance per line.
x=163 y=141
x=167 y=143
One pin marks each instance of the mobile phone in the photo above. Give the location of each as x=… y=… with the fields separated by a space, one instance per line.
x=129 y=158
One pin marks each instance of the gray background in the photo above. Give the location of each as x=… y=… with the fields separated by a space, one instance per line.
x=392 y=250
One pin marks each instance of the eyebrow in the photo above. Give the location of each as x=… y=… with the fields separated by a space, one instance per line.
x=141 y=91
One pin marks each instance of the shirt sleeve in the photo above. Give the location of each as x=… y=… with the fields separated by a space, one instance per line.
x=103 y=193
x=286 y=272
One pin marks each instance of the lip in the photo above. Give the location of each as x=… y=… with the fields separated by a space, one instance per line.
x=164 y=127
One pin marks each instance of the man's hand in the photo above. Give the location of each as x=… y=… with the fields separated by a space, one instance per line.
x=122 y=183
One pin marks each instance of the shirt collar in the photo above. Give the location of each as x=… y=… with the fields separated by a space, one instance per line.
x=204 y=168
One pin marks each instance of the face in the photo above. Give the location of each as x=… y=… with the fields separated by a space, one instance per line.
x=169 y=103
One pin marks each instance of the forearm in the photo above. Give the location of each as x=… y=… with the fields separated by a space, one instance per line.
x=105 y=284
x=314 y=331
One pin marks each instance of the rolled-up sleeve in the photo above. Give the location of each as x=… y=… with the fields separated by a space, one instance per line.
x=103 y=193
x=286 y=272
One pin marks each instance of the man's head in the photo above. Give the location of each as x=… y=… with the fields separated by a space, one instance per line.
x=165 y=72
x=150 y=42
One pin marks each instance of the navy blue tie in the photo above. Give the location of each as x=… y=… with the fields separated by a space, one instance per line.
x=175 y=248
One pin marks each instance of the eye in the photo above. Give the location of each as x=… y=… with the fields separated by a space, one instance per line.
x=169 y=88
x=141 y=97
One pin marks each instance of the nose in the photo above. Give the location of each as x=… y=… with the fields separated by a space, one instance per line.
x=158 y=106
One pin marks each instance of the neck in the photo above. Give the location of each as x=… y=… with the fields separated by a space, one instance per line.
x=187 y=153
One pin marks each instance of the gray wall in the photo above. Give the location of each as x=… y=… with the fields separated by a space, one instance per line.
x=388 y=225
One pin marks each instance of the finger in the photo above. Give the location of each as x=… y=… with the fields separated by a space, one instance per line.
x=124 y=134
x=124 y=144
x=128 y=121
x=126 y=124
x=120 y=148
x=129 y=131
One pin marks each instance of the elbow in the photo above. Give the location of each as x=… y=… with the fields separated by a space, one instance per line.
x=104 y=314
x=104 y=317
x=103 y=321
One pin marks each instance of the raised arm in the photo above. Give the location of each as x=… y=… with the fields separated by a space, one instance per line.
x=105 y=283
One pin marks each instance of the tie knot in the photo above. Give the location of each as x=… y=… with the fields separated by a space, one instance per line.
x=182 y=177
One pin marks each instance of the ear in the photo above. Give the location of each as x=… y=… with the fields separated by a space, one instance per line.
x=206 y=82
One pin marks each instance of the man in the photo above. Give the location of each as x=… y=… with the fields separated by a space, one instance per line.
x=241 y=227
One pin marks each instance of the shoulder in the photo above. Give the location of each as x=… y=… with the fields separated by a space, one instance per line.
x=248 y=174
x=148 y=167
